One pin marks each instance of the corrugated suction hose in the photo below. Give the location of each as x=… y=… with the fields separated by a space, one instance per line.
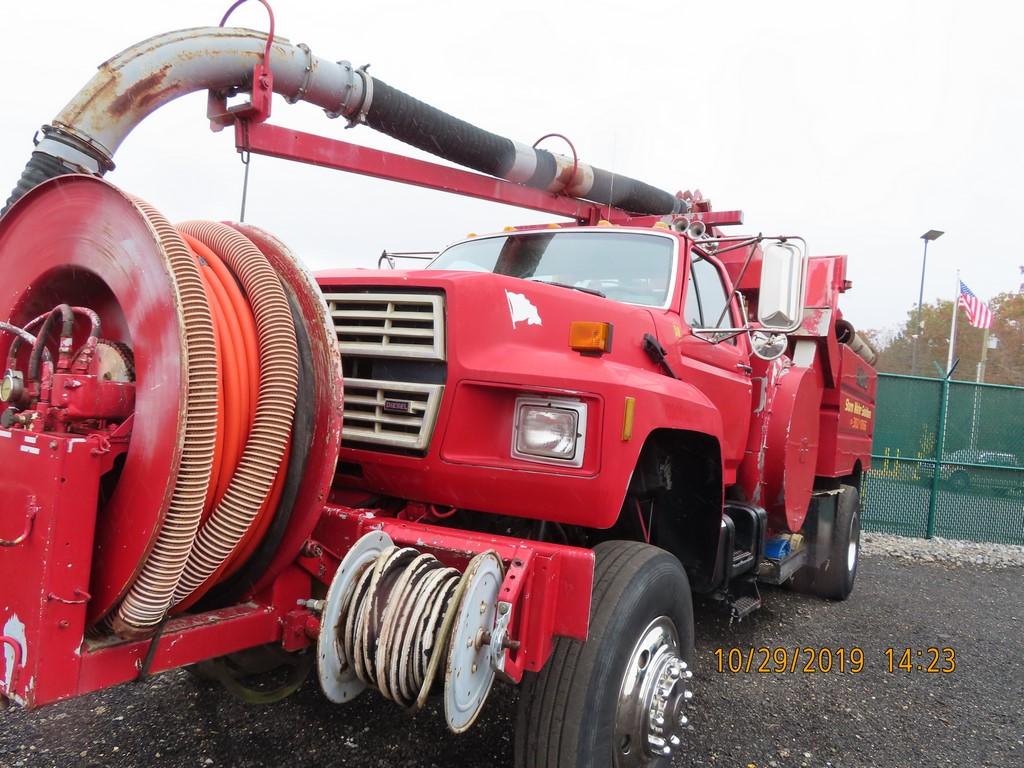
x=265 y=448
x=223 y=490
x=150 y=596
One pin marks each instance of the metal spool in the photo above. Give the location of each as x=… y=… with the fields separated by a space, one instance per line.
x=337 y=675
x=469 y=674
x=392 y=617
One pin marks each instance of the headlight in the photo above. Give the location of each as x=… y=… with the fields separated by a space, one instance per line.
x=550 y=430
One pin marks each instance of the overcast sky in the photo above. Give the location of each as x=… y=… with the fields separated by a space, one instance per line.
x=858 y=125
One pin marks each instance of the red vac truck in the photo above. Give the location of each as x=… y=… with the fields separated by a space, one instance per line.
x=517 y=463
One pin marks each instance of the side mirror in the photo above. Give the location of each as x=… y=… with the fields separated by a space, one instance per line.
x=768 y=346
x=780 y=302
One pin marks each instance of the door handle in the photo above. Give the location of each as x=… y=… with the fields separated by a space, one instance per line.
x=745 y=368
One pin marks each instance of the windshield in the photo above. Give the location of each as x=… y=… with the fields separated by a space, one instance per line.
x=626 y=266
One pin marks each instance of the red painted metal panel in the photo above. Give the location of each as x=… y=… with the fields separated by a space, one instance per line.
x=49 y=485
x=91 y=246
x=185 y=640
x=848 y=417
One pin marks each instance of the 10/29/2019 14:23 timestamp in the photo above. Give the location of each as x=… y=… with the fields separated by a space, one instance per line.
x=825 y=660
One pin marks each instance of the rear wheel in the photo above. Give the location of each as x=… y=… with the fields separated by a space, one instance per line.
x=834 y=578
x=621 y=698
x=266 y=674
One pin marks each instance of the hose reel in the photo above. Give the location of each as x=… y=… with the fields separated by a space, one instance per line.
x=207 y=323
x=396 y=619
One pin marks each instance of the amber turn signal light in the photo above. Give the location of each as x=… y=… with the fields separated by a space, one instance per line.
x=590 y=338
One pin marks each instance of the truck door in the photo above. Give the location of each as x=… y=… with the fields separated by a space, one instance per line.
x=722 y=370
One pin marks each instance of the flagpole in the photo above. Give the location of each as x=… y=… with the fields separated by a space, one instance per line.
x=984 y=356
x=952 y=326
x=979 y=380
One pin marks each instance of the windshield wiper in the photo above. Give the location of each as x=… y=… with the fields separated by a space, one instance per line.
x=591 y=291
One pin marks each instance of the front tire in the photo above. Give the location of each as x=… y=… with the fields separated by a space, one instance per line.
x=620 y=698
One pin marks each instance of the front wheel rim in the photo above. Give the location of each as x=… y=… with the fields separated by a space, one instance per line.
x=650 y=715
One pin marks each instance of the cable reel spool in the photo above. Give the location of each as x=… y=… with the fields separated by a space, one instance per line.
x=160 y=538
x=393 y=616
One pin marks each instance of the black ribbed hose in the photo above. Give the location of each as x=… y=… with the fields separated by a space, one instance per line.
x=39 y=168
x=407 y=119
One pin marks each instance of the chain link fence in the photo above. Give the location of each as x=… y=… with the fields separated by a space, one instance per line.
x=947 y=460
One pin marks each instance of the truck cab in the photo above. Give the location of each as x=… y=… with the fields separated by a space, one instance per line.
x=592 y=382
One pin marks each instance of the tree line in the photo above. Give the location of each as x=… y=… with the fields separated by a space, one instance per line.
x=1004 y=364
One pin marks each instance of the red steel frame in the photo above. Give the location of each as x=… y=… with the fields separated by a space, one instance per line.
x=548 y=586
x=289 y=144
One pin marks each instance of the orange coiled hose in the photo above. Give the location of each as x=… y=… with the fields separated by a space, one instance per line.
x=238 y=372
x=238 y=363
x=238 y=375
x=237 y=516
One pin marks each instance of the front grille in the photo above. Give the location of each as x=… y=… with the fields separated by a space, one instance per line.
x=390 y=413
x=402 y=325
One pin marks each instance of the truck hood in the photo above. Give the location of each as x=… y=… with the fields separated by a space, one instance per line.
x=513 y=329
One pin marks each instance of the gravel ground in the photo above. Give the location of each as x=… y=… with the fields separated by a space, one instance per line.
x=971 y=717
x=950 y=551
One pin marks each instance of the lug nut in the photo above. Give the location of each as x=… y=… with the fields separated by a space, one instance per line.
x=687 y=695
x=674 y=740
x=683 y=720
x=687 y=674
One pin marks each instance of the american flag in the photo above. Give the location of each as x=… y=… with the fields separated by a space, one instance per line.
x=978 y=313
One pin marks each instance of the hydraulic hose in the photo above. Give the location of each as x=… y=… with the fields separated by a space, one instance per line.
x=127 y=88
x=35 y=359
x=21 y=333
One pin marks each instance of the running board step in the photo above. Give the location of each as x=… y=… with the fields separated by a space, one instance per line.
x=742 y=561
x=743 y=606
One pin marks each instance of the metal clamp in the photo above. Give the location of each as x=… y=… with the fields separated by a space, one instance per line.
x=30 y=516
x=364 y=105
x=499 y=636
x=335 y=113
x=301 y=92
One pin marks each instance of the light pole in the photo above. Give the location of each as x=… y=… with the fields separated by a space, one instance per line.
x=931 y=234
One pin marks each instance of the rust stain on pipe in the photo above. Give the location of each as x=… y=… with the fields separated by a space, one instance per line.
x=141 y=94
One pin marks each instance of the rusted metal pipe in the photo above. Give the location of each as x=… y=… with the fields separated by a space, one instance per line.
x=85 y=135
